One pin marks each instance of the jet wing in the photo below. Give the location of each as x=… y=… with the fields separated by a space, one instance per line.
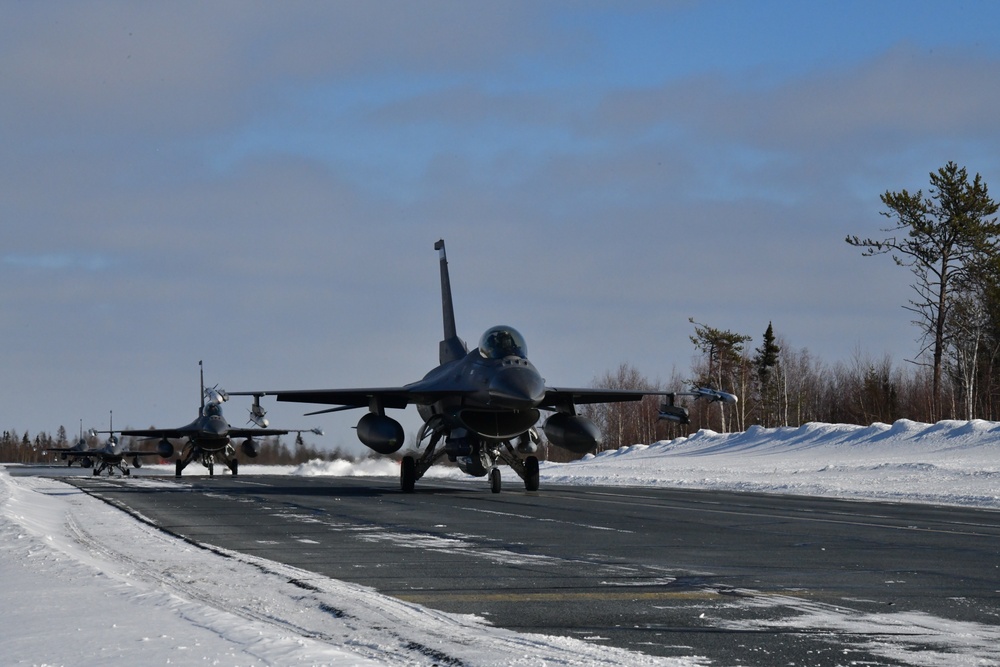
x=390 y=397
x=175 y=433
x=387 y=397
x=557 y=397
x=178 y=433
x=254 y=432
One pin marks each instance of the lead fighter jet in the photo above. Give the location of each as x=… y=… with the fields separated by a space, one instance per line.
x=482 y=404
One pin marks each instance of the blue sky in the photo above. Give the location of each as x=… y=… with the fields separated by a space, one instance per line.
x=260 y=186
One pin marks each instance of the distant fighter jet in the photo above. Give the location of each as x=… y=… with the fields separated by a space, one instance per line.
x=109 y=457
x=209 y=437
x=483 y=404
x=69 y=454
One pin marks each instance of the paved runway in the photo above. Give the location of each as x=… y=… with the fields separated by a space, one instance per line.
x=739 y=578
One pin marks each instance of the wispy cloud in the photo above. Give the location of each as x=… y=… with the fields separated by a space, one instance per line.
x=59 y=262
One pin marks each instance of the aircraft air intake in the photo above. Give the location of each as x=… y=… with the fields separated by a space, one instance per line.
x=498 y=424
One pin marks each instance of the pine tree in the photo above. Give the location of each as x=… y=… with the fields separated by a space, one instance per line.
x=948 y=236
x=724 y=352
x=766 y=366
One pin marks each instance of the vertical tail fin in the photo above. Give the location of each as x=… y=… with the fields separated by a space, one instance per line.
x=201 y=373
x=451 y=347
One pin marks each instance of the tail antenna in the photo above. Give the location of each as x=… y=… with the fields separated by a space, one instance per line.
x=451 y=347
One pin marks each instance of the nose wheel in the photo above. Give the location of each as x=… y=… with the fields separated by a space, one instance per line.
x=495 y=480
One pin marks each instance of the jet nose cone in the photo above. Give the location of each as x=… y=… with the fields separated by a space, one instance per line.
x=517 y=388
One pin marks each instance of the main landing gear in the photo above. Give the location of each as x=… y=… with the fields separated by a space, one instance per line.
x=111 y=467
x=476 y=457
x=207 y=460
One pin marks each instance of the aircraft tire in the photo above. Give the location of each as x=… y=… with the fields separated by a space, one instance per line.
x=211 y=471
x=234 y=465
x=178 y=467
x=126 y=472
x=495 y=480
x=96 y=471
x=531 y=474
x=407 y=474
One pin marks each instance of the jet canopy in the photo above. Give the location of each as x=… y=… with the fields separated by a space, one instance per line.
x=502 y=341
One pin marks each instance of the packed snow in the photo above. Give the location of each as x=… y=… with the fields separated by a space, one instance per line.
x=85 y=584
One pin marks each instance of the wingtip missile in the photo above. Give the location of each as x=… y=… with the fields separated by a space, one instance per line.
x=216 y=396
x=714 y=395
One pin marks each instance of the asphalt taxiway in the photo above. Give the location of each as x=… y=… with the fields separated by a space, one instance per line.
x=738 y=578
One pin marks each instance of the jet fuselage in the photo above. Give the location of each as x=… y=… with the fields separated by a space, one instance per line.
x=495 y=399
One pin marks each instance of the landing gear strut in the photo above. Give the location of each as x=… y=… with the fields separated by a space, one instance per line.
x=478 y=458
x=411 y=467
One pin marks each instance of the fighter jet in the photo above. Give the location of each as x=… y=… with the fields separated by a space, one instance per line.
x=483 y=404
x=73 y=454
x=109 y=457
x=208 y=438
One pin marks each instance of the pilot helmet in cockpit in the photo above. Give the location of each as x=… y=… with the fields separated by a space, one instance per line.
x=502 y=341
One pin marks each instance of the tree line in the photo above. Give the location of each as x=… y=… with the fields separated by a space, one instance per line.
x=950 y=240
x=777 y=385
x=25 y=448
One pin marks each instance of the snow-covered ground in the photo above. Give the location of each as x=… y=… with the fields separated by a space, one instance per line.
x=951 y=462
x=85 y=584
